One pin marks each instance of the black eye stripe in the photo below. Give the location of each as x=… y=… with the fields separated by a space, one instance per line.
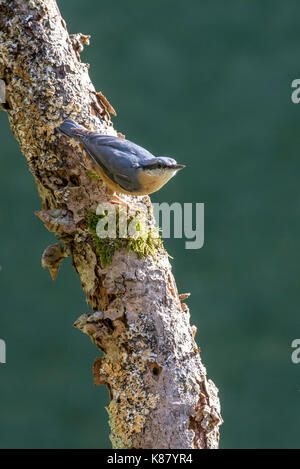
x=157 y=165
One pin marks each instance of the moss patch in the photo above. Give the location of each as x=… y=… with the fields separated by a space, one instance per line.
x=148 y=243
x=93 y=175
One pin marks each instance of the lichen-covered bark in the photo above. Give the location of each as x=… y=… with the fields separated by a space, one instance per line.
x=160 y=396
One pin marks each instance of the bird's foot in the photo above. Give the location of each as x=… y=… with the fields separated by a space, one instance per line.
x=116 y=200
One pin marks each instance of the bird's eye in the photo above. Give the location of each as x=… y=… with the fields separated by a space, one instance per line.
x=159 y=166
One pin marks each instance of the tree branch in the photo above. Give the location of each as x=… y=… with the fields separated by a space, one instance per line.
x=160 y=396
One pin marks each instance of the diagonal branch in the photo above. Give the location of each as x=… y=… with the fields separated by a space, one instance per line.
x=160 y=396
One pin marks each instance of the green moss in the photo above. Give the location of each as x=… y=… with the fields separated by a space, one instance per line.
x=148 y=243
x=93 y=175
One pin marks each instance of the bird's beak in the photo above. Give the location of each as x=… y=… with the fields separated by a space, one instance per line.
x=179 y=166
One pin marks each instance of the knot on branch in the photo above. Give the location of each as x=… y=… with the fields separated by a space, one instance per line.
x=53 y=256
x=78 y=41
x=58 y=220
x=93 y=326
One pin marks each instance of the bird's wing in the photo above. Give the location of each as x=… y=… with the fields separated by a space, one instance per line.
x=117 y=143
x=118 y=158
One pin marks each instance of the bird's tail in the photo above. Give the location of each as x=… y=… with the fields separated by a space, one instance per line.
x=72 y=129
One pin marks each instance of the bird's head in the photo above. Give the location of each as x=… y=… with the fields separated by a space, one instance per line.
x=156 y=172
x=161 y=166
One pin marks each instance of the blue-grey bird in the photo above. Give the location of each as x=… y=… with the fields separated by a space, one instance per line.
x=124 y=166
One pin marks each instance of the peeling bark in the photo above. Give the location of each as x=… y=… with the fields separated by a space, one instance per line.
x=160 y=396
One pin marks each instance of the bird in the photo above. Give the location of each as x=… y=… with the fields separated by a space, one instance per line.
x=124 y=167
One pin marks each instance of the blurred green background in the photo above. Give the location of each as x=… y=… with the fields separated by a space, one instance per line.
x=209 y=83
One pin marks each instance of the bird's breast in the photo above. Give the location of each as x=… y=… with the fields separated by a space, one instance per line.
x=152 y=182
x=147 y=183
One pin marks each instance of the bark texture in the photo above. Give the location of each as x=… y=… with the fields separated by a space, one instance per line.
x=160 y=396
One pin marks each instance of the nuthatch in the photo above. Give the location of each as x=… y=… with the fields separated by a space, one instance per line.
x=124 y=166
